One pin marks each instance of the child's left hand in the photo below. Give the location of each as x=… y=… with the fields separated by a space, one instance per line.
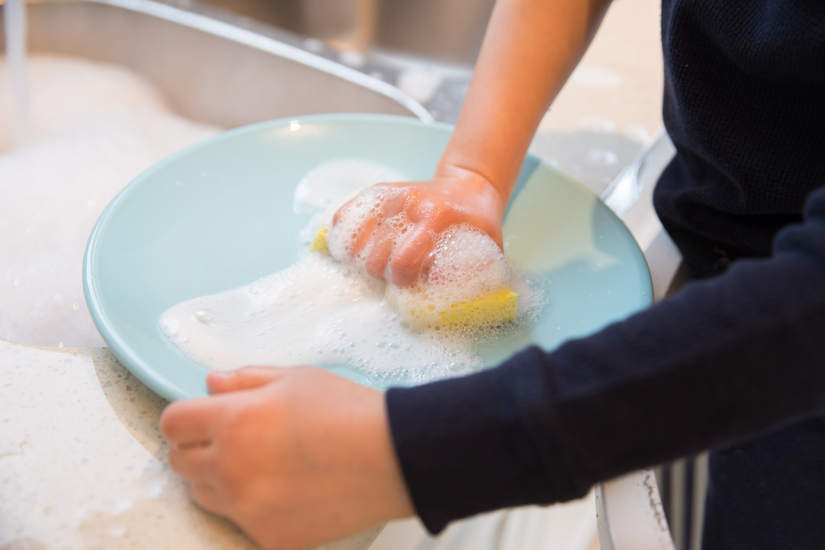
x=294 y=456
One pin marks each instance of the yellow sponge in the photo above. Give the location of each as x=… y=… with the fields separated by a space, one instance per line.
x=319 y=242
x=486 y=311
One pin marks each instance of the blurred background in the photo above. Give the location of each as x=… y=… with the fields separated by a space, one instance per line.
x=609 y=108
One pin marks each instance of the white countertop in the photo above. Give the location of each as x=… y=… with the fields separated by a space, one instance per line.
x=83 y=465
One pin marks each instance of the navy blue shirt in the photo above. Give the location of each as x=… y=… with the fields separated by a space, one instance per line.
x=737 y=354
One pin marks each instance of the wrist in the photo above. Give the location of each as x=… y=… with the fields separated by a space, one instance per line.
x=476 y=183
x=396 y=499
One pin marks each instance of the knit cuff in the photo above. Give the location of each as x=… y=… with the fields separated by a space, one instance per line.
x=463 y=445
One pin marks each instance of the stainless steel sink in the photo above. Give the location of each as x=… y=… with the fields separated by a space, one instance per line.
x=443 y=30
x=209 y=70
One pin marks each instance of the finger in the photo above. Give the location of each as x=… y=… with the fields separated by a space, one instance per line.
x=381 y=251
x=354 y=203
x=342 y=210
x=411 y=255
x=189 y=422
x=207 y=498
x=388 y=206
x=246 y=378
x=193 y=463
x=363 y=232
x=363 y=235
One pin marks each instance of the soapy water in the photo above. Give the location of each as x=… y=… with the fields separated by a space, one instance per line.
x=332 y=181
x=325 y=312
x=94 y=128
x=467 y=264
x=316 y=312
x=72 y=477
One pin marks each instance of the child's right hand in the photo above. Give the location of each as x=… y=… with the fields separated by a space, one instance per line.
x=426 y=208
x=520 y=70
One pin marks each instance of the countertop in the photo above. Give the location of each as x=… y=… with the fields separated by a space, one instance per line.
x=83 y=465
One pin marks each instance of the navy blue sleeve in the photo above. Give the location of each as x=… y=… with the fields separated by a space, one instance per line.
x=724 y=359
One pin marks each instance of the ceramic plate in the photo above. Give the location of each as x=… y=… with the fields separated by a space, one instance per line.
x=219 y=215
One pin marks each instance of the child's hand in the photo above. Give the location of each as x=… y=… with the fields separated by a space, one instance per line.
x=294 y=457
x=520 y=70
x=429 y=207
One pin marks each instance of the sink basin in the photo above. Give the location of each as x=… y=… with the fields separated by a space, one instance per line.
x=448 y=31
x=206 y=69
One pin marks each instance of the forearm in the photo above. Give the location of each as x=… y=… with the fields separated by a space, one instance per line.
x=529 y=51
x=722 y=360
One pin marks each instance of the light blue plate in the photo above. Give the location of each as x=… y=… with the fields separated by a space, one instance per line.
x=219 y=215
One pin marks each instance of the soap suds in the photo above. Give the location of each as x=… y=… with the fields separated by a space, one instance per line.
x=58 y=469
x=95 y=127
x=71 y=476
x=467 y=264
x=331 y=181
x=369 y=204
x=315 y=312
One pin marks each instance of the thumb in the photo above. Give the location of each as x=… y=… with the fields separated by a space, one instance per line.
x=245 y=378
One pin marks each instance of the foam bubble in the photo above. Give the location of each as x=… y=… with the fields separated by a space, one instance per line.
x=94 y=128
x=467 y=265
x=331 y=181
x=315 y=312
x=371 y=203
